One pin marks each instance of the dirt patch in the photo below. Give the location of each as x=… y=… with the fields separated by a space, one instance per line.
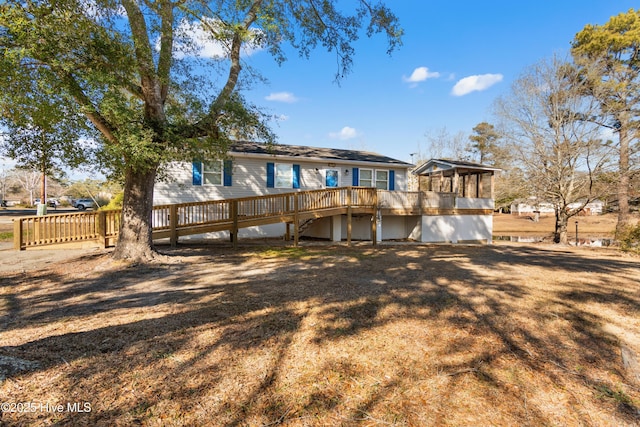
x=328 y=335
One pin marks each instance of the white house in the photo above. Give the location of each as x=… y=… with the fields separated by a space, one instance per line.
x=532 y=206
x=594 y=207
x=254 y=169
x=454 y=203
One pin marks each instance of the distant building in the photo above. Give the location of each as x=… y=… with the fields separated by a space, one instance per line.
x=532 y=206
x=595 y=207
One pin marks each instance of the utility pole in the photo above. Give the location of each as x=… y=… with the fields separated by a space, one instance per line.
x=42 y=206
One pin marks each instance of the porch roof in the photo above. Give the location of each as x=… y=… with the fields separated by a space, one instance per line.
x=450 y=167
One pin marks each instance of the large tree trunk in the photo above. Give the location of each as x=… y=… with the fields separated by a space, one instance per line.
x=135 y=240
x=560 y=234
x=624 y=219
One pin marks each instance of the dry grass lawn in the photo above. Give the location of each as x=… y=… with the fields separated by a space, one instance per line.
x=403 y=335
x=597 y=226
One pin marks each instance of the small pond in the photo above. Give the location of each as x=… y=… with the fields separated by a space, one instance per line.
x=588 y=241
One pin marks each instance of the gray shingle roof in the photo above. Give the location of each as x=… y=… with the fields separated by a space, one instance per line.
x=444 y=164
x=313 y=152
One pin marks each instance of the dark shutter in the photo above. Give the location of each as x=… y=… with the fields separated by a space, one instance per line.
x=296 y=176
x=197 y=173
x=392 y=180
x=226 y=173
x=271 y=175
x=356 y=177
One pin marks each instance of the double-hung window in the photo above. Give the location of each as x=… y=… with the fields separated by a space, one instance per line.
x=374 y=178
x=382 y=179
x=284 y=175
x=212 y=172
x=366 y=178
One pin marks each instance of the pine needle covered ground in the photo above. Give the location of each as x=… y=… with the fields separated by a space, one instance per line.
x=326 y=335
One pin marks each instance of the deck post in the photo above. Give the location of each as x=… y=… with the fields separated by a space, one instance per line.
x=374 y=218
x=173 y=225
x=17 y=234
x=287 y=209
x=296 y=220
x=101 y=228
x=349 y=215
x=234 y=226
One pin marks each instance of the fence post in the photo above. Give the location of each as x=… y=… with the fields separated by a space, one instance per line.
x=296 y=220
x=173 y=225
x=101 y=229
x=17 y=234
x=234 y=227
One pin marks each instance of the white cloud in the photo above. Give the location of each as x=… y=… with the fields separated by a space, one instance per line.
x=475 y=83
x=421 y=74
x=196 y=39
x=287 y=97
x=344 y=134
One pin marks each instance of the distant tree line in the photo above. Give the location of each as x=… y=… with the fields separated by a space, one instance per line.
x=568 y=130
x=22 y=185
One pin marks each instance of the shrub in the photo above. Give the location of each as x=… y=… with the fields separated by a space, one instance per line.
x=114 y=203
x=630 y=239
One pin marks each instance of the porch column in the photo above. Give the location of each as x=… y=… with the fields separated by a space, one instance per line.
x=493 y=185
x=454 y=184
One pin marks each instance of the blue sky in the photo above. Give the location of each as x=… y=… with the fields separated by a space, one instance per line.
x=380 y=107
x=388 y=104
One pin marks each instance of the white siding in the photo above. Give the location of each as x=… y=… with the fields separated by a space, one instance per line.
x=474 y=203
x=456 y=228
x=249 y=178
x=264 y=231
x=398 y=227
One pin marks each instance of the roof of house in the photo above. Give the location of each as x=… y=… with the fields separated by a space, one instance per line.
x=439 y=165
x=314 y=152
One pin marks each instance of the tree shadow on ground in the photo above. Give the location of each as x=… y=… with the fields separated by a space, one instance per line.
x=220 y=318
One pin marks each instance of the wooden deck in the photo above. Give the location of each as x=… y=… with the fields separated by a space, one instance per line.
x=174 y=221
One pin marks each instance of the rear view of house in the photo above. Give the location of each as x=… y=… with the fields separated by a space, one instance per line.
x=253 y=169
x=454 y=202
x=293 y=192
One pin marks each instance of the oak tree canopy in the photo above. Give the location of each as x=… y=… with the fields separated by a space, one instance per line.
x=130 y=69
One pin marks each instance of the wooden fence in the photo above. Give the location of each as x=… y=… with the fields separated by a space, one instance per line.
x=173 y=221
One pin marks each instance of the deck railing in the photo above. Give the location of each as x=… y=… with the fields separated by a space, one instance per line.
x=230 y=214
x=415 y=199
x=66 y=228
